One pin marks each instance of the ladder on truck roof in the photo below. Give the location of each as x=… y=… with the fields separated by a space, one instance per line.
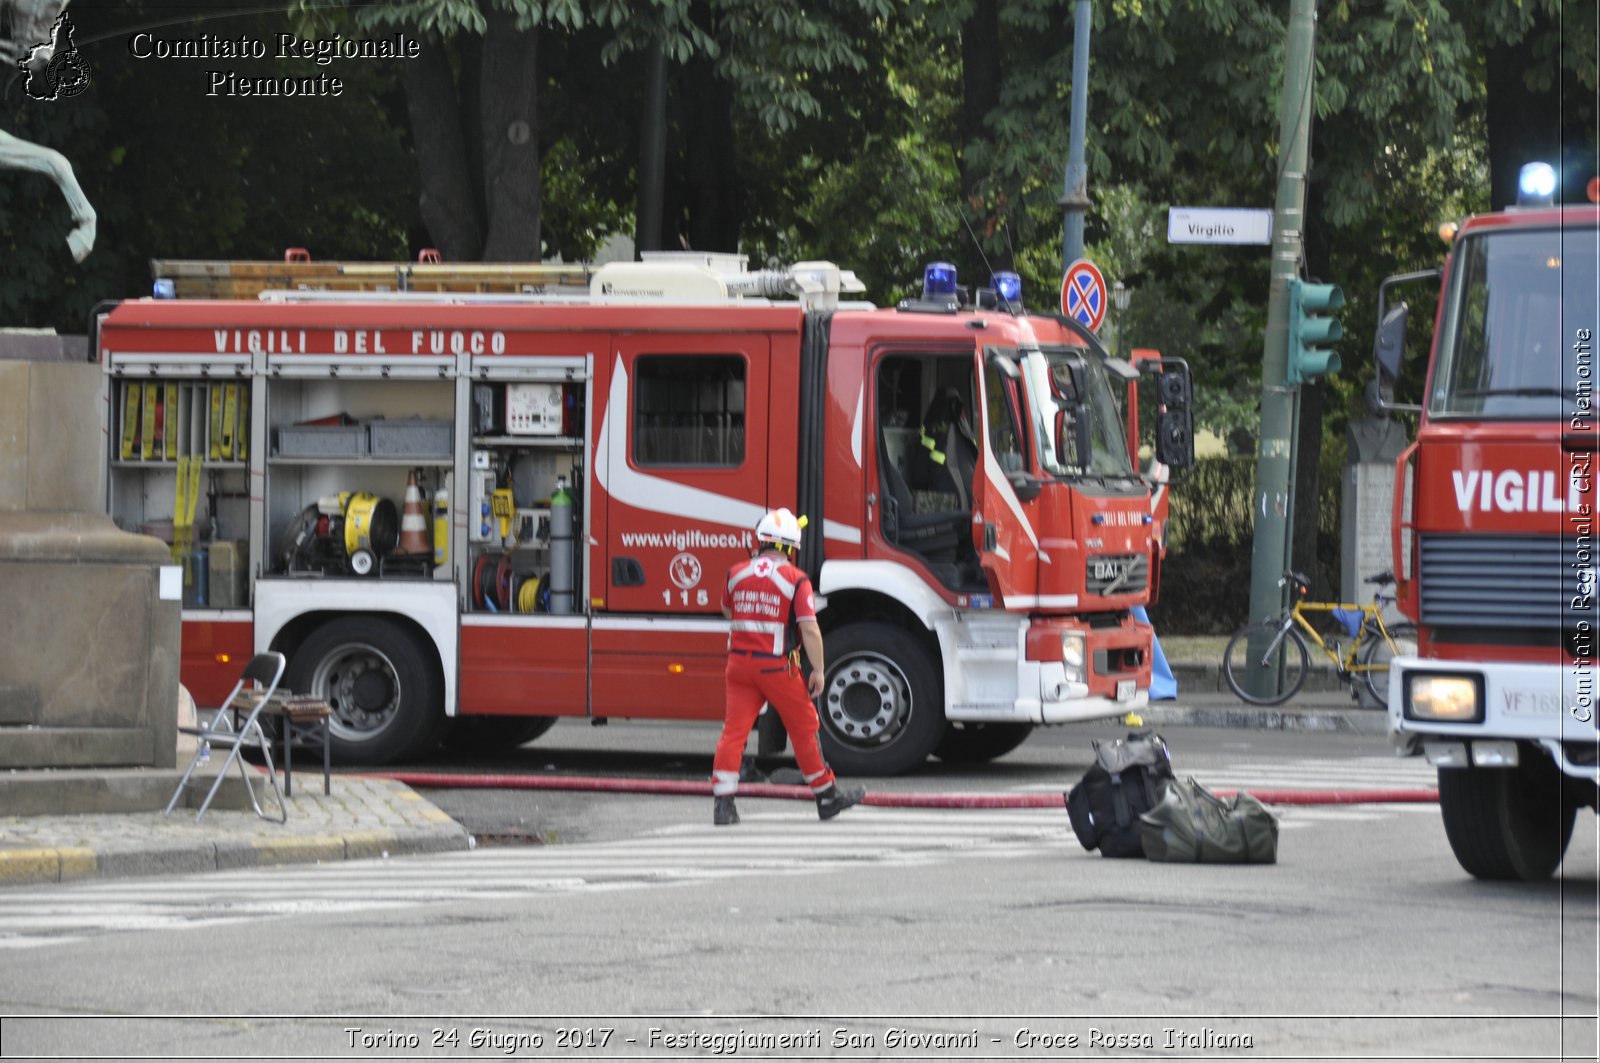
x=669 y=277
x=224 y=279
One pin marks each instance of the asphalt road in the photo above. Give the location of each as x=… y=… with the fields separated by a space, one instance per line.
x=1052 y=759
x=872 y=936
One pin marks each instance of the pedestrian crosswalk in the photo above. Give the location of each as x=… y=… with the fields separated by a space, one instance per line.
x=1323 y=773
x=772 y=839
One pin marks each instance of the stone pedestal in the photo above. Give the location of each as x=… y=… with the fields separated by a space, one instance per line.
x=1366 y=504
x=89 y=645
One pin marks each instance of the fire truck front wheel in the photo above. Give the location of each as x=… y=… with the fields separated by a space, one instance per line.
x=882 y=706
x=385 y=692
x=1507 y=823
x=977 y=743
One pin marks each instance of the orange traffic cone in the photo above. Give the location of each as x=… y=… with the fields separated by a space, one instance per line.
x=413 y=523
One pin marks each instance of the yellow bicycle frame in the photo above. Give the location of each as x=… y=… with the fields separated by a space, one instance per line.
x=1347 y=664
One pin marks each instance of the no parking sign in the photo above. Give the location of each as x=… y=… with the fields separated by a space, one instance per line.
x=1083 y=294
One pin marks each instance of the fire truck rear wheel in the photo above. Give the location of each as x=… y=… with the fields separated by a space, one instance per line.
x=883 y=705
x=385 y=691
x=1507 y=823
x=977 y=743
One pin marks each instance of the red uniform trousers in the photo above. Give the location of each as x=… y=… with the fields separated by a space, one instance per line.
x=751 y=681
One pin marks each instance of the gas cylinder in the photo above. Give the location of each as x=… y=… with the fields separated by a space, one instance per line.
x=563 y=550
x=441 y=527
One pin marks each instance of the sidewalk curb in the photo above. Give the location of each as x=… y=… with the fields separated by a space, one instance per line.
x=407 y=824
x=1352 y=721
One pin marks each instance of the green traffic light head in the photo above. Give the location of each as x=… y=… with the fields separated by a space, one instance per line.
x=1306 y=360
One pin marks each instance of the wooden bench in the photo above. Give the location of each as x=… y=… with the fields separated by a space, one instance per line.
x=299 y=716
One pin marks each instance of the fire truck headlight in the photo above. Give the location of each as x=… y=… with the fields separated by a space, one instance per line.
x=1445 y=698
x=1072 y=655
x=1536 y=185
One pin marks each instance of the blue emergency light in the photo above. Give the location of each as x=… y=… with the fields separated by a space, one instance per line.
x=1007 y=285
x=1536 y=185
x=938 y=280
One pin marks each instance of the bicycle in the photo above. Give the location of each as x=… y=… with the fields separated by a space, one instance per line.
x=1282 y=653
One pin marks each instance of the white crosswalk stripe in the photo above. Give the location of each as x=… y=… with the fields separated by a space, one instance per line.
x=783 y=841
x=1311 y=773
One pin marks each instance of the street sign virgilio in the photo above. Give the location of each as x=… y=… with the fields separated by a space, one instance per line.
x=1218 y=225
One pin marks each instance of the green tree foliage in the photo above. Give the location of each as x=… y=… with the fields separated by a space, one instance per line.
x=881 y=133
x=175 y=173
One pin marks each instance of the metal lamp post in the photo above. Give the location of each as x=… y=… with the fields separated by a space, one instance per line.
x=1120 y=297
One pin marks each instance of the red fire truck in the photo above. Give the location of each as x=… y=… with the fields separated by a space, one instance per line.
x=1494 y=535
x=467 y=515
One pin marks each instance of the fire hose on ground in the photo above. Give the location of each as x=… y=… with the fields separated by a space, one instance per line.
x=883 y=798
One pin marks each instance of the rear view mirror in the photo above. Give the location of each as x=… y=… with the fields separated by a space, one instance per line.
x=1391 y=346
x=1175 y=438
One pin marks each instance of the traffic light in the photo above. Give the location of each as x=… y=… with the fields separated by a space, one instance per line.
x=1307 y=330
x=1174 y=421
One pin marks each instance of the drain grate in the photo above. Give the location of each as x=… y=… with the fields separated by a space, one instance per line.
x=507 y=838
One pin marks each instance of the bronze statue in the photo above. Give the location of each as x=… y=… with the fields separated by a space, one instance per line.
x=41 y=46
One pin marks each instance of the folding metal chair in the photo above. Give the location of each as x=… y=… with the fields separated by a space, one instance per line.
x=256 y=685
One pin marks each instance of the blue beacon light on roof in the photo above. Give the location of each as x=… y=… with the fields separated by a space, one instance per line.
x=938 y=279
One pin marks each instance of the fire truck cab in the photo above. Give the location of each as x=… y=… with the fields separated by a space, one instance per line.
x=1494 y=535
x=468 y=514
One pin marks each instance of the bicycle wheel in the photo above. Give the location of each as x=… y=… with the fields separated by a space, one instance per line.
x=1282 y=656
x=1378 y=653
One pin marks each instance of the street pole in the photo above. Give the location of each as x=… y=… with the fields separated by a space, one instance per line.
x=1274 y=497
x=1074 y=200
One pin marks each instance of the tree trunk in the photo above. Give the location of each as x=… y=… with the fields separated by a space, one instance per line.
x=1523 y=126
x=652 y=152
x=447 y=203
x=714 y=196
x=980 y=81
x=510 y=146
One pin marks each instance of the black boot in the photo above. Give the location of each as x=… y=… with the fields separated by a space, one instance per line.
x=833 y=800
x=724 y=812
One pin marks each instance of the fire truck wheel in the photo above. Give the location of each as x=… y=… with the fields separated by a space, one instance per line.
x=1507 y=823
x=976 y=743
x=883 y=706
x=382 y=684
x=494 y=734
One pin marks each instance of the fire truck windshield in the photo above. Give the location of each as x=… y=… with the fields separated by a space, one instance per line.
x=1077 y=426
x=1516 y=337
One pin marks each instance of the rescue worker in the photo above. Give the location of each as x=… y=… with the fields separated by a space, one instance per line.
x=768 y=597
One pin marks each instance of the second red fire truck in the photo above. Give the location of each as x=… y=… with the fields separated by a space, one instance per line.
x=490 y=511
x=1495 y=541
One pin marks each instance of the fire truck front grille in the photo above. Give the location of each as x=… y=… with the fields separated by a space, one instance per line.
x=1507 y=581
x=1118 y=574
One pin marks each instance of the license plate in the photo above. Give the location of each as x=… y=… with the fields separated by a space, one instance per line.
x=1125 y=690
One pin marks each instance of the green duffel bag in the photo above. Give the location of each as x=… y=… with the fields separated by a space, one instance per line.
x=1194 y=825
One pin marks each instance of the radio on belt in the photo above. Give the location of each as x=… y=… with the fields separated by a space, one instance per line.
x=533 y=409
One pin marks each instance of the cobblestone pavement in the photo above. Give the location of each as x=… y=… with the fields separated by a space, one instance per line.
x=361 y=818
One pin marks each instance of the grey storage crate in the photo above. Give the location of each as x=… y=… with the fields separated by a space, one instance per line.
x=411 y=437
x=322 y=440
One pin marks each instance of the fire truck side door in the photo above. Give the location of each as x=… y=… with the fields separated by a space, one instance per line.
x=682 y=464
x=1007 y=545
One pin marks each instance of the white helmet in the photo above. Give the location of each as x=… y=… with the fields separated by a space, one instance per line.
x=780 y=527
